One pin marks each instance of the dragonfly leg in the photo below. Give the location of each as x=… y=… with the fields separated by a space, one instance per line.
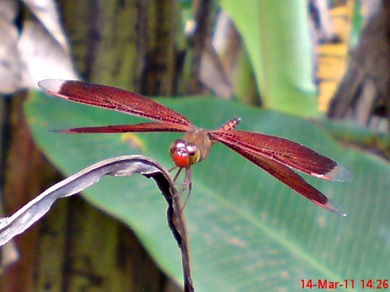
x=186 y=184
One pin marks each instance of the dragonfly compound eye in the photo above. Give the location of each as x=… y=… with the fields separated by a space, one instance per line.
x=193 y=152
x=184 y=153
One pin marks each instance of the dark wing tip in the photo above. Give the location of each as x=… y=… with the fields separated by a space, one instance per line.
x=339 y=173
x=51 y=85
x=329 y=205
x=64 y=131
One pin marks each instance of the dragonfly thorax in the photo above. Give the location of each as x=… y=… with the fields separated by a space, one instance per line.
x=184 y=153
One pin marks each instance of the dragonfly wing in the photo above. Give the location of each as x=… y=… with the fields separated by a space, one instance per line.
x=286 y=176
x=284 y=151
x=112 y=98
x=142 y=127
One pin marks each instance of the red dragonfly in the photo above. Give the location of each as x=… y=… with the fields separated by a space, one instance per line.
x=273 y=154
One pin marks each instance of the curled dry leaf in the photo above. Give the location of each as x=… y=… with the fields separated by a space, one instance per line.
x=36 y=208
x=47 y=14
x=10 y=65
x=33 y=46
x=117 y=166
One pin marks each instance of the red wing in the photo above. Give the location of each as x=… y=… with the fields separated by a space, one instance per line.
x=112 y=98
x=283 y=151
x=143 y=127
x=286 y=176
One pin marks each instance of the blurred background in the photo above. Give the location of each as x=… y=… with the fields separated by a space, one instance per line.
x=314 y=71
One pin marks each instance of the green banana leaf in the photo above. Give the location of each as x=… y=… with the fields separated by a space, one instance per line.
x=277 y=38
x=247 y=230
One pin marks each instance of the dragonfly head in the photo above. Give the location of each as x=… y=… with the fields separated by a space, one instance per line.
x=184 y=153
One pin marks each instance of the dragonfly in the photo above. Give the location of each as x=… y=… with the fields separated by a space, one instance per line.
x=277 y=156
